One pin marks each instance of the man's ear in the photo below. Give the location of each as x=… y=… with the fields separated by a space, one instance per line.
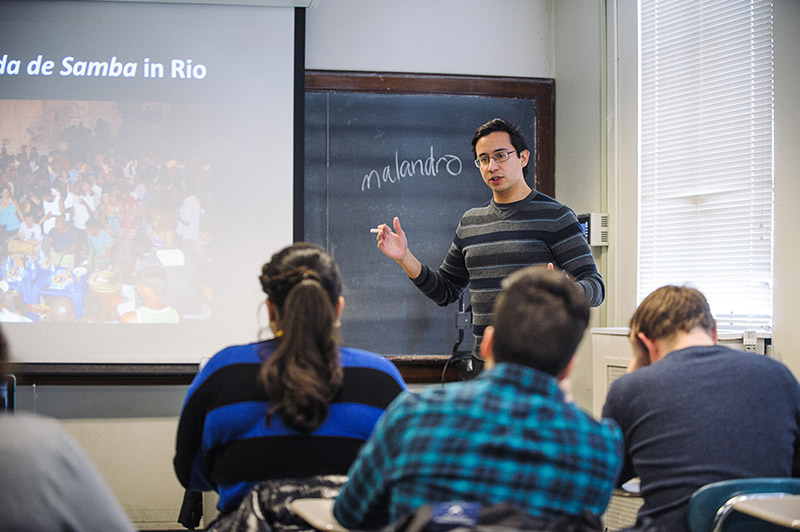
x=651 y=347
x=524 y=156
x=487 y=344
x=339 y=307
x=565 y=374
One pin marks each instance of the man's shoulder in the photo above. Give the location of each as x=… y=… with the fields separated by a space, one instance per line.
x=449 y=400
x=694 y=365
x=748 y=361
x=541 y=197
x=548 y=207
x=40 y=432
x=603 y=433
x=435 y=395
x=735 y=359
x=674 y=363
x=625 y=385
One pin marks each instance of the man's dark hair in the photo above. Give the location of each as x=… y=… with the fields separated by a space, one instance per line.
x=498 y=124
x=539 y=319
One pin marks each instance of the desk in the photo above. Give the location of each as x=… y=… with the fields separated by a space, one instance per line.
x=318 y=513
x=778 y=508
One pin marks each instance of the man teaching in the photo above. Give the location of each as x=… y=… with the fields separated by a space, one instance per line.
x=518 y=227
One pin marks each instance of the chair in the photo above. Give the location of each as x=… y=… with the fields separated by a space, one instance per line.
x=711 y=508
x=624 y=506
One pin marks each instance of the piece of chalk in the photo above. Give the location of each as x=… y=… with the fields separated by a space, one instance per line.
x=374 y=230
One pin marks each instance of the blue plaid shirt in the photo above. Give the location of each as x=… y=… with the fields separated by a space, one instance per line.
x=506 y=437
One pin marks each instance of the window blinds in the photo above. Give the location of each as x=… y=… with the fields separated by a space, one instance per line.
x=705 y=132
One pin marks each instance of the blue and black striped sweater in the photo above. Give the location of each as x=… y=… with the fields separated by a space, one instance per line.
x=224 y=443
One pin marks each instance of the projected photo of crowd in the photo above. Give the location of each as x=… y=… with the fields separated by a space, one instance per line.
x=104 y=213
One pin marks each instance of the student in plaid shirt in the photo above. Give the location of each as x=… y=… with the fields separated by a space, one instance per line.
x=508 y=436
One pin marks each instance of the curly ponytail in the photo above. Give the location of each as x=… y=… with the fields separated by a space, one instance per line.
x=303 y=374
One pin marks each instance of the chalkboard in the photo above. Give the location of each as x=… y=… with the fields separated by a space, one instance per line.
x=404 y=150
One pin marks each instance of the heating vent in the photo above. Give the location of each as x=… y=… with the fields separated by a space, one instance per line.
x=595 y=228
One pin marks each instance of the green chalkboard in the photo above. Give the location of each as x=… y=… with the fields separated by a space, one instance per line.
x=373 y=153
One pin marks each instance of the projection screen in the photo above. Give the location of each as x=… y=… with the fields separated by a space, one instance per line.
x=146 y=173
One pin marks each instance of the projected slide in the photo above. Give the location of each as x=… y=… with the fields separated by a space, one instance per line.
x=106 y=224
x=145 y=175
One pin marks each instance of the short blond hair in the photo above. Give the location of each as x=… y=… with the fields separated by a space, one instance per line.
x=670 y=309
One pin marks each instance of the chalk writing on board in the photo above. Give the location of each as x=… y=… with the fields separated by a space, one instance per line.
x=430 y=166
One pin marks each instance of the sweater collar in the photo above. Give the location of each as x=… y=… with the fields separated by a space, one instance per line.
x=507 y=209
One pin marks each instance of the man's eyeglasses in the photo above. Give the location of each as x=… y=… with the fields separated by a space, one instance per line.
x=499 y=157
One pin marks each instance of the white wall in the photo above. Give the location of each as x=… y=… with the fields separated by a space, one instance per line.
x=580 y=172
x=786 y=326
x=477 y=37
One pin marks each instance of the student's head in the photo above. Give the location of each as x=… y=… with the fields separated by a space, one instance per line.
x=303 y=374
x=294 y=264
x=668 y=310
x=498 y=124
x=539 y=320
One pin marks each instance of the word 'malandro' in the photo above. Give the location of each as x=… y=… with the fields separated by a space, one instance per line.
x=429 y=166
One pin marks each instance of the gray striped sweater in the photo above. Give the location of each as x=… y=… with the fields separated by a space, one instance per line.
x=494 y=240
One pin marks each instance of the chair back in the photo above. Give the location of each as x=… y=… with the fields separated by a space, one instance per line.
x=708 y=500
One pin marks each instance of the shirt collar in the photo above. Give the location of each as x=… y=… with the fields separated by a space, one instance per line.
x=526 y=379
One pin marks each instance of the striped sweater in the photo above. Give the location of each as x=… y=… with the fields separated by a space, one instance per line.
x=494 y=240
x=224 y=443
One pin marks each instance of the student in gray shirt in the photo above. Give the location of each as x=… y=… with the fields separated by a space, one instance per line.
x=49 y=484
x=695 y=412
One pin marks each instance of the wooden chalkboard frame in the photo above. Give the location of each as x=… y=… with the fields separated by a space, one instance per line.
x=541 y=90
x=433 y=368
